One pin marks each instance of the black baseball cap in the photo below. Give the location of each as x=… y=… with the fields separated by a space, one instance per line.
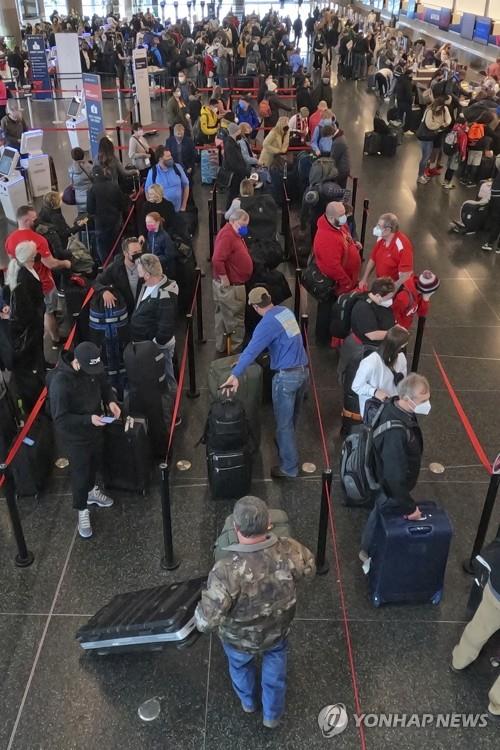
x=89 y=357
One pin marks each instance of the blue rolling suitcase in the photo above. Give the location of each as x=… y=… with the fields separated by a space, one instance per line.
x=409 y=561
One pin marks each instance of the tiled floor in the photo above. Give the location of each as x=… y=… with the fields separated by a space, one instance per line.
x=54 y=697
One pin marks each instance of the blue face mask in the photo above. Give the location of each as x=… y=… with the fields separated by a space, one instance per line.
x=243 y=231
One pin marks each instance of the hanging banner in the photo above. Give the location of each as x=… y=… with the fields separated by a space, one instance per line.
x=93 y=105
x=39 y=67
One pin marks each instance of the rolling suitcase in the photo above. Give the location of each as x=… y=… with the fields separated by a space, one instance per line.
x=372 y=144
x=279 y=525
x=32 y=466
x=389 y=144
x=127 y=456
x=145 y=620
x=410 y=557
x=229 y=473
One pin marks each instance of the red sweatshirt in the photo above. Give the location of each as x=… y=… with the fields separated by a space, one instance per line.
x=409 y=302
x=337 y=255
x=231 y=257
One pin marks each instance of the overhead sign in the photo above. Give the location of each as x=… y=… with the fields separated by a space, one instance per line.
x=39 y=67
x=93 y=104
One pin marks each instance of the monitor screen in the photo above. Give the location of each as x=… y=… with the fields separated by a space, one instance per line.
x=6 y=161
x=74 y=108
x=467 y=25
x=482 y=30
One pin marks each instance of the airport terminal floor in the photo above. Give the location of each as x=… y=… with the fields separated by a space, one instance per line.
x=390 y=660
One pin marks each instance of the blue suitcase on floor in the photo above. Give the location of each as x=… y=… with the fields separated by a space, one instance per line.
x=409 y=561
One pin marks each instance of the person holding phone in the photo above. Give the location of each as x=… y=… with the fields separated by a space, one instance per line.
x=79 y=395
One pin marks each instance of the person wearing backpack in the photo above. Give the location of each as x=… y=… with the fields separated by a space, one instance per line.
x=435 y=121
x=171 y=177
x=379 y=373
x=479 y=142
x=455 y=148
x=322 y=135
x=397 y=456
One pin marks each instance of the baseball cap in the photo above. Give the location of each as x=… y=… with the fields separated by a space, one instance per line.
x=257 y=295
x=89 y=357
x=256 y=179
x=427 y=282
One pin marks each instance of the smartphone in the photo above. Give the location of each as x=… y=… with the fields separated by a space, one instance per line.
x=28 y=441
x=108 y=420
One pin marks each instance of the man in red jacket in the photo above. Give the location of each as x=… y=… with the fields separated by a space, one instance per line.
x=413 y=298
x=337 y=256
x=232 y=267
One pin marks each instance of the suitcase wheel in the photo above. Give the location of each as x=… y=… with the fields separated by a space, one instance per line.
x=437 y=597
x=376 y=600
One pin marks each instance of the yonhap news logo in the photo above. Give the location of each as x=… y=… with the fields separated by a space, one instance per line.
x=334 y=719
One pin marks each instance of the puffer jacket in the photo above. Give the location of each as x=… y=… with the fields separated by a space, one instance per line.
x=275 y=142
x=209 y=123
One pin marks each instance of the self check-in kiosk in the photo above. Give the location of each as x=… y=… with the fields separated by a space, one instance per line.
x=77 y=125
x=35 y=162
x=12 y=185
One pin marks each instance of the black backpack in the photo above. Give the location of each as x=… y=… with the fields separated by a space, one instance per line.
x=340 y=323
x=227 y=426
x=358 y=472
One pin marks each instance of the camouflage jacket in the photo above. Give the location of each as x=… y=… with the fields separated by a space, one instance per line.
x=250 y=596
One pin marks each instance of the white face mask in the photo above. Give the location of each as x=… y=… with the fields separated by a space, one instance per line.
x=423 y=408
x=386 y=303
x=342 y=219
x=377 y=230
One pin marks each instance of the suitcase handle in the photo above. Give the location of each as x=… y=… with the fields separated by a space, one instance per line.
x=419 y=530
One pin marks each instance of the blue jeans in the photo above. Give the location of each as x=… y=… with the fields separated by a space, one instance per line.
x=426 y=147
x=289 y=387
x=243 y=672
x=168 y=350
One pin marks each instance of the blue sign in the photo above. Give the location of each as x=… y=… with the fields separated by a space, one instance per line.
x=39 y=68
x=93 y=104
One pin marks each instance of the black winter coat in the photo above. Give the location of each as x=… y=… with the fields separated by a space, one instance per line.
x=115 y=276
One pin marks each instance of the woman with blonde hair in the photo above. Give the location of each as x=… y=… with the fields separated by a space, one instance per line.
x=155 y=201
x=51 y=214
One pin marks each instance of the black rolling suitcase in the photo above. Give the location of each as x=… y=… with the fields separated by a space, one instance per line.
x=389 y=144
x=32 y=466
x=145 y=620
x=229 y=457
x=372 y=144
x=127 y=456
x=74 y=295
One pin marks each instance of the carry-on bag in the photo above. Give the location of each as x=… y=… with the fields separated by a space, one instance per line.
x=389 y=144
x=145 y=620
x=409 y=561
x=279 y=525
x=34 y=462
x=209 y=165
x=372 y=144
x=229 y=473
x=249 y=392
x=127 y=456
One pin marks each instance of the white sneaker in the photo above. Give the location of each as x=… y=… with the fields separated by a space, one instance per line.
x=97 y=497
x=84 y=527
x=423 y=180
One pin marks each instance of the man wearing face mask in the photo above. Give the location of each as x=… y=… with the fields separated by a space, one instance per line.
x=323 y=91
x=78 y=396
x=398 y=456
x=122 y=276
x=171 y=177
x=186 y=86
x=337 y=256
x=392 y=254
x=232 y=267
x=182 y=148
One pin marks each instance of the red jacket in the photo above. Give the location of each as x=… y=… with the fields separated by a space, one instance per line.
x=337 y=255
x=409 y=302
x=231 y=257
x=3 y=94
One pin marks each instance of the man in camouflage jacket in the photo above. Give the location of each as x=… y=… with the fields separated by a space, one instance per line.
x=250 y=599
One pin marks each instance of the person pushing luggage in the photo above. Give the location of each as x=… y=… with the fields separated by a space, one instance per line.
x=279 y=332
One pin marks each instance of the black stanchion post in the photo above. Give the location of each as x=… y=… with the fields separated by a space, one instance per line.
x=210 y=230
x=364 y=221
x=354 y=192
x=418 y=343
x=322 y=566
x=119 y=142
x=286 y=227
x=192 y=392
x=169 y=562
x=296 y=296
x=215 y=220
x=199 y=308
x=24 y=557
x=484 y=521
x=304 y=322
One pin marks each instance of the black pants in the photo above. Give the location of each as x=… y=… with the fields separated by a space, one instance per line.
x=382 y=84
x=323 y=316
x=85 y=461
x=493 y=225
x=404 y=112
